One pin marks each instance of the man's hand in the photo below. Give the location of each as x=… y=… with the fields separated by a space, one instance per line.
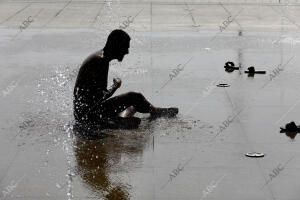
x=108 y=93
x=117 y=82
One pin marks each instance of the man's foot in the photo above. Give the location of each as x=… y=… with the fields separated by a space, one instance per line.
x=164 y=112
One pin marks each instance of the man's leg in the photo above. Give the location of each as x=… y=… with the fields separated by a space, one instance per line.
x=115 y=105
x=129 y=112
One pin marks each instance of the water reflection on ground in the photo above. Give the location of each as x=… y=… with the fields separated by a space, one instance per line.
x=102 y=163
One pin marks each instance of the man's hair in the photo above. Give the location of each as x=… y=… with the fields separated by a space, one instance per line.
x=116 y=39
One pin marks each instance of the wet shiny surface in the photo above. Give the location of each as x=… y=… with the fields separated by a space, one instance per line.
x=198 y=155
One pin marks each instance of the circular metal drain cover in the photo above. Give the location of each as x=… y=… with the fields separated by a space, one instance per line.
x=254 y=154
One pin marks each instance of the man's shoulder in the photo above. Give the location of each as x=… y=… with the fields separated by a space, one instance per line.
x=94 y=58
x=98 y=55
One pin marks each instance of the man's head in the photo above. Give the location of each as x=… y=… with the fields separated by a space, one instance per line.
x=117 y=45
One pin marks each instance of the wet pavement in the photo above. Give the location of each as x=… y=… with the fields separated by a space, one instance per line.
x=173 y=62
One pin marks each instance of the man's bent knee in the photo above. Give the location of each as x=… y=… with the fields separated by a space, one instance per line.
x=136 y=96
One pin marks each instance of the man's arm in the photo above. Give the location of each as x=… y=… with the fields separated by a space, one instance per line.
x=108 y=93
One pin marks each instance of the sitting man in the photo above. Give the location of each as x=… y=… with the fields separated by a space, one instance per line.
x=92 y=102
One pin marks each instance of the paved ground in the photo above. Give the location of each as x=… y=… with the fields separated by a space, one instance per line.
x=200 y=154
x=147 y=16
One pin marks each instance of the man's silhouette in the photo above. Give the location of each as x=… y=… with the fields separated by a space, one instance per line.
x=92 y=102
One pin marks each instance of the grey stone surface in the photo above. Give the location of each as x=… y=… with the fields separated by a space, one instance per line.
x=42 y=159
